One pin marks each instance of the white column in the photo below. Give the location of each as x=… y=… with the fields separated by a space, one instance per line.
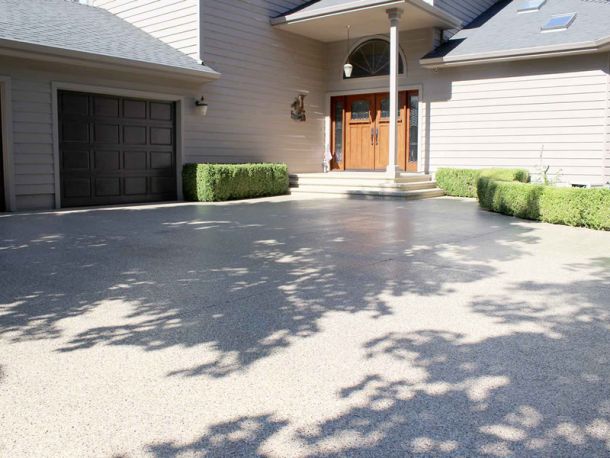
x=394 y=15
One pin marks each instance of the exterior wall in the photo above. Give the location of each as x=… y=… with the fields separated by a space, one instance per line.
x=263 y=70
x=35 y=166
x=508 y=114
x=173 y=21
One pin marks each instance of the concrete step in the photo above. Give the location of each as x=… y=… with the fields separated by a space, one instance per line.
x=364 y=184
x=369 y=192
x=360 y=177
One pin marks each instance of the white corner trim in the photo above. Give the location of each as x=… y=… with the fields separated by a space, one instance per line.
x=119 y=92
x=6 y=116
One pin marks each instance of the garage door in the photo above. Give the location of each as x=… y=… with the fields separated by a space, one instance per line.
x=116 y=150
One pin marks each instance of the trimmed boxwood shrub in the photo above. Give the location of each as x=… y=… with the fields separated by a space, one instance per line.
x=570 y=206
x=220 y=182
x=463 y=182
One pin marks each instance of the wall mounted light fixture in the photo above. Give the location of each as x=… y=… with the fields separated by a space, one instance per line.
x=202 y=106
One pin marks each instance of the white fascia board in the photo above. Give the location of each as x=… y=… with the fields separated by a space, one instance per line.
x=588 y=47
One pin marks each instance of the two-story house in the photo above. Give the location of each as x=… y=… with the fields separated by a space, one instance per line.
x=101 y=100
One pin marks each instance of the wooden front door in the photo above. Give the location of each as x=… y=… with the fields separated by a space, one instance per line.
x=361 y=128
x=360 y=132
x=382 y=131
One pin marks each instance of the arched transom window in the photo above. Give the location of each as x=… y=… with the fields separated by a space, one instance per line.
x=372 y=58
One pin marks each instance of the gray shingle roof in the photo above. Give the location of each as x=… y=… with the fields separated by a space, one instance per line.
x=71 y=26
x=501 y=31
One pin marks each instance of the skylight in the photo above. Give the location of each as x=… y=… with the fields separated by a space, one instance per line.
x=528 y=6
x=559 y=22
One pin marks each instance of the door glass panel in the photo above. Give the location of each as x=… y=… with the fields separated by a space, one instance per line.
x=339 y=131
x=385 y=108
x=413 y=103
x=361 y=109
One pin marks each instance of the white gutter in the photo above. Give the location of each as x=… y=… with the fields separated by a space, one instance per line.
x=85 y=59
x=587 y=47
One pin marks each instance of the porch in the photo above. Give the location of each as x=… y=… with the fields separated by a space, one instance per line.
x=372 y=117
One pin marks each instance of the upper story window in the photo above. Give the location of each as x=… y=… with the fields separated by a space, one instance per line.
x=372 y=58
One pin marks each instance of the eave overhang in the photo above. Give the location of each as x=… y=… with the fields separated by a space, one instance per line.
x=44 y=53
x=589 y=47
x=366 y=17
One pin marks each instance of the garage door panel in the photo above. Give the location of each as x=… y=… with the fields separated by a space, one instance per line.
x=106 y=133
x=134 y=135
x=134 y=160
x=135 y=109
x=77 y=188
x=161 y=160
x=106 y=106
x=107 y=160
x=116 y=150
x=161 y=136
x=75 y=160
x=135 y=186
x=162 y=185
x=74 y=103
x=75 y=132
x=161 y=111
x=105 y=187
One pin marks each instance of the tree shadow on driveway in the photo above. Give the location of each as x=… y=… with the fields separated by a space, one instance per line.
x=523 y=393
x=243 y=279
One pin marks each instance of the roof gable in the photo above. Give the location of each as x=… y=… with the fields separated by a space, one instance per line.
x=502 y=31
x=66 y=25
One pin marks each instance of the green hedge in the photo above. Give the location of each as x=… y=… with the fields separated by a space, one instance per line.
x=570 y=206
x=220 y=182
x=463 y=182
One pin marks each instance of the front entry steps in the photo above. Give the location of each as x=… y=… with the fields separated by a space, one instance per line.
x=365 y=184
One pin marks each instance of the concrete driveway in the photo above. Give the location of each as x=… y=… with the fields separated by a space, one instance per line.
x=290 y=327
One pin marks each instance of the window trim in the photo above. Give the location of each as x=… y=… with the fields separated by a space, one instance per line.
x=357 y=44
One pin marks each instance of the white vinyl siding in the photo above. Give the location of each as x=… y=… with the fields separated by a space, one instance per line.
x=176 y=22
x=32 y=143
x=263 y=70
x=507 y=115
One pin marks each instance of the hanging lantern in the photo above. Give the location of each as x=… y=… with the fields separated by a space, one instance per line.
x=347 y=68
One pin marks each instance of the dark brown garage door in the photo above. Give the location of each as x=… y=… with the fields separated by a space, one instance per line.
x=116 y=150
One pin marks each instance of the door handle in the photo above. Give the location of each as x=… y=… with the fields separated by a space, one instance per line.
x=372 y=136
x=377 y=136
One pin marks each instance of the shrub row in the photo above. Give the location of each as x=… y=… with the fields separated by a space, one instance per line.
x=570 y=206
x=220 y=182
x=463 y=182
